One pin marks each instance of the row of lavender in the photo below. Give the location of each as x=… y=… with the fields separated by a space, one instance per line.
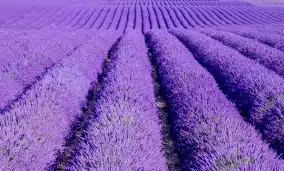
x=121 y=129
x=26 y=56
x=142 y=18
x=36 y=126
x=133 y=2
x=209 y=131
x=264 y=105
x=178 y=3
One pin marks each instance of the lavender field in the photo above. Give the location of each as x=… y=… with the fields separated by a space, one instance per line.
x=141 y=85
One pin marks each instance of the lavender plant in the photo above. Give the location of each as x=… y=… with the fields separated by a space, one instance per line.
x=257 y=91
x=209 y=132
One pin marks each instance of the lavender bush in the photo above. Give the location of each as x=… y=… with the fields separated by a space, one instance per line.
x=35 y=129
x=257 y=91
x=271 y=39
x=209 y=131
x=124 y=131
x=269 y=57
x=29 y=56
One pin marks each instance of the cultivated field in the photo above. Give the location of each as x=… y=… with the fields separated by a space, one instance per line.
x=141 y=85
